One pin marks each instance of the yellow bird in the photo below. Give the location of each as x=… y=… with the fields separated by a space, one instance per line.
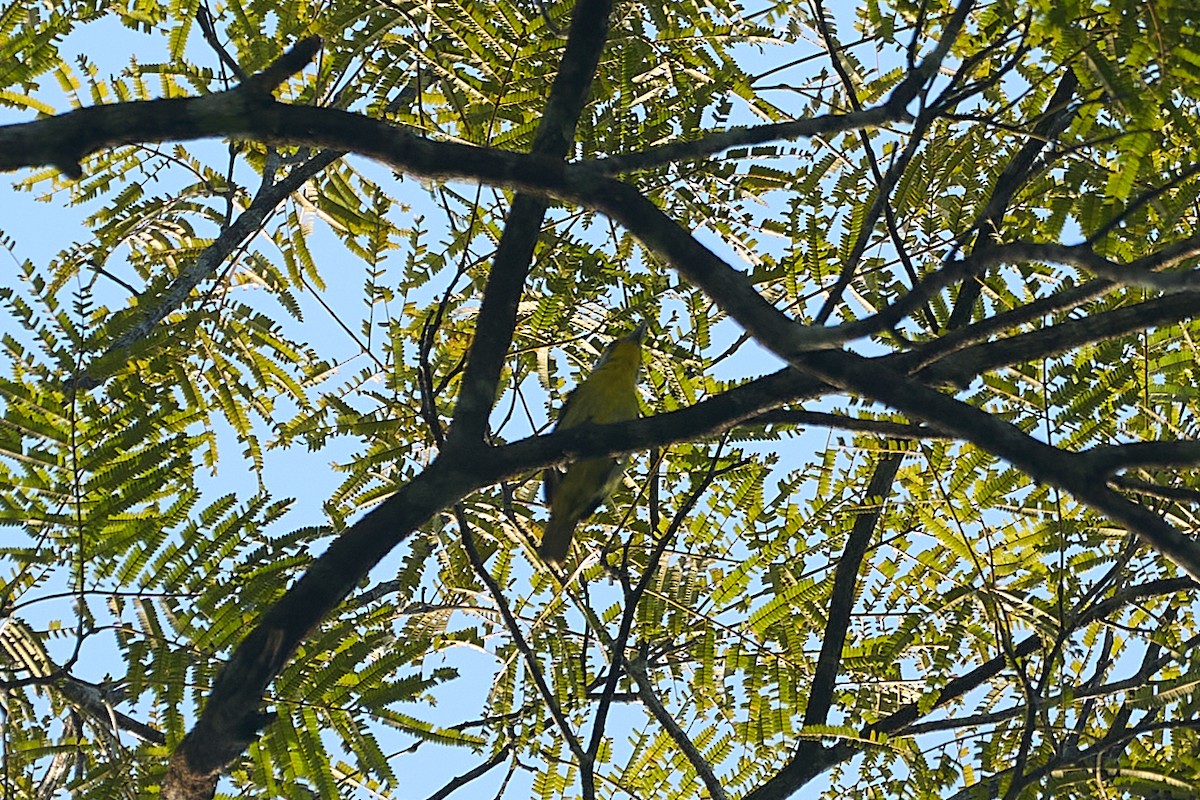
x=608 y=395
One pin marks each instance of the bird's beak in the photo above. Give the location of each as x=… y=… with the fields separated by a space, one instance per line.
x=638 y=334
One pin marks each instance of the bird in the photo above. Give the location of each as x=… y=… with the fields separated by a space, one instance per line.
x=607 y=395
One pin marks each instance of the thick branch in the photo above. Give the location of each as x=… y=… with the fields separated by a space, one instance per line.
x=63 y=141
x=1164 y=455
x=514 y=254
x=1040 y=461
x=219 y=737
x=984 y=357
x=845 y=586
x=1054 y=122
x=231 y=718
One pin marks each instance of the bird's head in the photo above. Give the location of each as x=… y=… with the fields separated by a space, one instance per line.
x=626 y=349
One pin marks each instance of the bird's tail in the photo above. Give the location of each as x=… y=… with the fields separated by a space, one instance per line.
x=556 y=540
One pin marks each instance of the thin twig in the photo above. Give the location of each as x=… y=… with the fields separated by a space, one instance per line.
x=518 y=638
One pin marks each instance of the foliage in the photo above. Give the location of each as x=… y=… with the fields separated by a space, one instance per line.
x=253 y=343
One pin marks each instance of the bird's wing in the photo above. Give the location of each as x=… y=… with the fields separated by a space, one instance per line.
x=565 y=410
x=582 y=405
x=550 y=480
x=565 y=418
x=577 y=409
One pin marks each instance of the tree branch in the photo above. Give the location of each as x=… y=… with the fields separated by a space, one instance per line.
x=984 y=357
x=1040 y=461
x=268 y=197
x=814 y=758
x=637 y=671
x=231 y=717
x=1055 y=120
x=845 y=588
x=1107 y=459
x=231 y=720
x=478 y=771
x=877 y=427
x=713 y=143
x=636 y=668
x=506 y=280
x=514 y=630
